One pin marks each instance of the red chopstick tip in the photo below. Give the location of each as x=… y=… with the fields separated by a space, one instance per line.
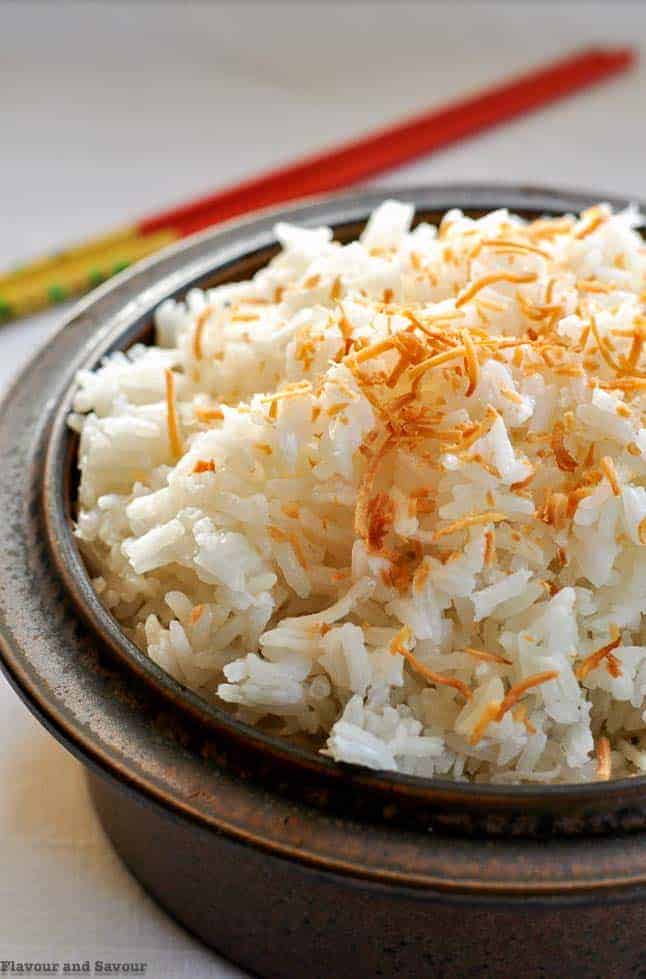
x=629 y=56
x=618 y=56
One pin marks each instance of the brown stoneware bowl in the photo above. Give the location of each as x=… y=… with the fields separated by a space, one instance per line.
x=287 y=862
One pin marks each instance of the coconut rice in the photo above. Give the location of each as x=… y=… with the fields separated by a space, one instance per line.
x=392 y=494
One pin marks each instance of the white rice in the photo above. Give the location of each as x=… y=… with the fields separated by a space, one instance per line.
x=324 y=534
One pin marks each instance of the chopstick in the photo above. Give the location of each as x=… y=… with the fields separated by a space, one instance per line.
x=53 y=278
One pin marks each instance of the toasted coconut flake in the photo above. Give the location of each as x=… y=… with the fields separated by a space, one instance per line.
x=564 y=460
x=397 y=371
x=555 y=510
x=490 y=548
x=625 y=384
x=174 y=436
x=487 y=657
x=604 y=759
x=538 y=313
x=208 y=414
x=200 y=322
x=594 y=222
x=381 y=514
x=590 y=456
x=277 y=534
x=592 y=661
x=575 y=496
x=507 y=245
x=519 y=714
x=372 y=351
x=471 y=435
x=492 y=305
x=445 y=316
x=295 y=390
x=204 y=466
x=594 y=286
x=404 y=567
x=484 y=319
x=420 y=576
x=523 y=483
x=337 y=408
x=613 y=665
x=513 y=696
x=196 y=614
x=471 y=362
x=604 y=349
x=444 y=228
x=608 y=467
x=641 y=531
x=245 y=318
x=511 y=395
x=436 y=361
x=398 y=646
x=550 y=227
x=362 y=511
x=489 y=714
x=487 y=466
x=569 y=370
x=635 y=350
x=411 y=347
x=471 y=521
x=491 y=279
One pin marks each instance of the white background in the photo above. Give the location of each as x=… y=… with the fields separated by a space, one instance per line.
x=110 y=111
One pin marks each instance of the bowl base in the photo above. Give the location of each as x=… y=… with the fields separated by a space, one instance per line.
x=284 y=920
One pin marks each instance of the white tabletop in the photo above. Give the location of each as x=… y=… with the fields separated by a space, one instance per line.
x=110 y=111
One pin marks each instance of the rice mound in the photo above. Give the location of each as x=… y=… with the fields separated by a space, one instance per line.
x=392 y=494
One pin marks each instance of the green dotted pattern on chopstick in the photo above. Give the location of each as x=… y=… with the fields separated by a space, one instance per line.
x=97 y=275
x=5 y=310
x=57 y=293
x=50 y=286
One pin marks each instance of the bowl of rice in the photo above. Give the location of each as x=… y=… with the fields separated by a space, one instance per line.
x=348 y=508
x=390 y=495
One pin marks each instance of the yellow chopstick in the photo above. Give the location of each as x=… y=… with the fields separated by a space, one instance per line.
x=88 y=248
x=71 y=273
